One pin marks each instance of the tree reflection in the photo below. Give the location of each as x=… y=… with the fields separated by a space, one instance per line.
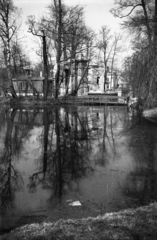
x=73 y=141
x=9 y=180
x=15 y=125
x=64 y=151
x=141 y=182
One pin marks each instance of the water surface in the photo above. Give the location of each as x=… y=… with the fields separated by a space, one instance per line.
x=103 y=157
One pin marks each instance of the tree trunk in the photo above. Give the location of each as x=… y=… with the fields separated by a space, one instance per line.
x=45 y=68
x=81 y=81
x=57 y=77
x=112 y=62
x=46 y=134
x=105 y=77
x=9 y=73
x=147 y=22
x=59 y=153
x=155 y=26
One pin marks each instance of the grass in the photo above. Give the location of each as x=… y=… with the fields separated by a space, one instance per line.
x=134 y=224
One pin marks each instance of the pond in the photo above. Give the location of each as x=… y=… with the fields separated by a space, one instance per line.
x=74 y=162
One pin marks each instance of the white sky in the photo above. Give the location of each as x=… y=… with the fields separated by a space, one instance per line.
x=96 y=12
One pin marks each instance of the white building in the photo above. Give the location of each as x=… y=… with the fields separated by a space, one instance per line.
x=96 y=79
x=87 y=77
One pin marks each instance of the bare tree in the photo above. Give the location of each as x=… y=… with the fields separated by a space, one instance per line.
x=105 y=45
x=37 y=29
x=116 y=49
x=9 y=25
x=73 y=41
x=136 y=14
x=19 y=59
x=141 y=19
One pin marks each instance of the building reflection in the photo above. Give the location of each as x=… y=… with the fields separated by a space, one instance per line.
x=65 y=141
x=65 y=151
x=47 y=152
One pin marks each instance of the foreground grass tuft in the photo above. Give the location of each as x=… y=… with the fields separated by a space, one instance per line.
x=134 y=224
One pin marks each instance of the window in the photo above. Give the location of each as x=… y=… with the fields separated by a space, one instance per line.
x=20 y=86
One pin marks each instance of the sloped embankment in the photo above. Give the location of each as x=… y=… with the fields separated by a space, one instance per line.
x=140 y=223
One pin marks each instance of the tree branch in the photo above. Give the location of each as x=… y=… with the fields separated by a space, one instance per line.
x=133 y=7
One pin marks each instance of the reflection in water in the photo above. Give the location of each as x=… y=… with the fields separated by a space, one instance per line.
x=100 y=156
x=10 y=177
x=62 y=159
x=141 y=182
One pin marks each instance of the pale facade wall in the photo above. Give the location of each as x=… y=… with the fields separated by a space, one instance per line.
x=95 y=79
x=96 y=84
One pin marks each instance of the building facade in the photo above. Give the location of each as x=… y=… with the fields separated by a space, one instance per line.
x=77 y=77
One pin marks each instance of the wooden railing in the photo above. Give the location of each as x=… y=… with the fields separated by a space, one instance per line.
x=93 y=99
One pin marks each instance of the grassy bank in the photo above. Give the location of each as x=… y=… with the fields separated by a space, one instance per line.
x=138 y=224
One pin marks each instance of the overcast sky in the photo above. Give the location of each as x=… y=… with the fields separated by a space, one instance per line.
x=96 y=12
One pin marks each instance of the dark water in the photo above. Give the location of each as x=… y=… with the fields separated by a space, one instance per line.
x=105 y=158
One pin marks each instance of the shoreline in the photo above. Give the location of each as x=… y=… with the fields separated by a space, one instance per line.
x=139 y=223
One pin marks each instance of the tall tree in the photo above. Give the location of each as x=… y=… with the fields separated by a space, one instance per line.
x=73 y=41
x=137 y=16
x=140 y=18
x=106 y=46
x=58 y=8
x=37 y=29
x=78 y=43
x=9 y=25
x=117 y=50
x=19 y=59
x=155 y=25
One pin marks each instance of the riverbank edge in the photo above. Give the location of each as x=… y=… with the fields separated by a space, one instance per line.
x=139 y=223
